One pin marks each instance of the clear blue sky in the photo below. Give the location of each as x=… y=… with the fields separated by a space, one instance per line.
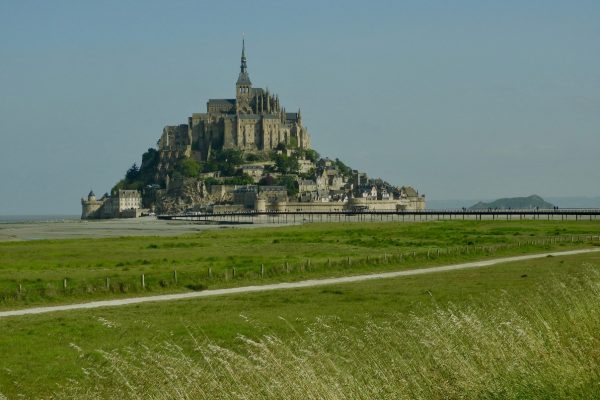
x=461 y=99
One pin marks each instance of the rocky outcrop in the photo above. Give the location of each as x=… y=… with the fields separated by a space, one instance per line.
x=186 y=195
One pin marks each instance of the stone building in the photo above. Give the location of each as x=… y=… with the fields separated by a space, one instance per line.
x=253 y=121
x=123 y=204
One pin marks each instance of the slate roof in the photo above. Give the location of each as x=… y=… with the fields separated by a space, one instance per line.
x=291 y=116
x=243 y=79
x=221 y=101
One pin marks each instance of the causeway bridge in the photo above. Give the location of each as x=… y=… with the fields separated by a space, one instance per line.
x=299 y=217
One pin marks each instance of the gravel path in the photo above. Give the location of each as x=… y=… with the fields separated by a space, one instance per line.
x=286 y=285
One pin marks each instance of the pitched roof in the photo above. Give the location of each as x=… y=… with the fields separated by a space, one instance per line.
x=243 y=79
x=221 y=101
x=291 y=116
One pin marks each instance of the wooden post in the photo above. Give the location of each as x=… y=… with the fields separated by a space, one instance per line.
x=20 y=288
x=438 y=252
x=262 y=270
x=175 y=276
x=65 y=283
x=210 y=272
x=308 y=263
x=329 y=262
x=143 y=282
x=427 y=253
x=348 y=261
x=107 y=283
x=233 y=272
x=385 y=257
x=287 y=267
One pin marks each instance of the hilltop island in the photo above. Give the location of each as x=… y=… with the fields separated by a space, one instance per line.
x=514 y=203
x=244 y=154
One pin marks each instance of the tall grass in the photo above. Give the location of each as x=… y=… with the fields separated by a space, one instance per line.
x=542 y=344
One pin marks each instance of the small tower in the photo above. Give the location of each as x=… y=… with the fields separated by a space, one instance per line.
x=243 y=86
x=90 y=207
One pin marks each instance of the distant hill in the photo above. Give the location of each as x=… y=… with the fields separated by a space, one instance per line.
x=514 y=203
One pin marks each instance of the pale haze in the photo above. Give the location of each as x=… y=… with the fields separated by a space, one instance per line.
x=465 y=99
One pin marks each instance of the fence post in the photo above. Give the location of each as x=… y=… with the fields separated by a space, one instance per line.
x=65 y=283
x=143 y=282
x=210 y=272
x=329 y=262
x=233 y=272
x=107 y=283
x=175 y=276
x=262 y=270
x=20 y=288
x=348 y=261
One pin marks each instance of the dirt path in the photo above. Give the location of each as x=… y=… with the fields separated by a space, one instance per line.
x=287 y=285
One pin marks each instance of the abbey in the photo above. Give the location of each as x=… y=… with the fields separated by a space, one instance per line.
x=254 y=121
x=244 y=154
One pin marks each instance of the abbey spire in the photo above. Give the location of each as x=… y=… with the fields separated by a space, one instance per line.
x=243 y=66
x=243 y=78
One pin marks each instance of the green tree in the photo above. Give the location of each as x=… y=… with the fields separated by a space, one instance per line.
x=343 y=168
x=311 y=155
x=225 y=161
x=281 y=146
x=150 y=161
x=188 y=167
x=132 y=173
x=290 y=184
x=293 y=166
x=286 y=164
x=267 y=181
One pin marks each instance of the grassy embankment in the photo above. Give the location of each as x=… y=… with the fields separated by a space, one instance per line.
x=522 y=330
x=65 y=271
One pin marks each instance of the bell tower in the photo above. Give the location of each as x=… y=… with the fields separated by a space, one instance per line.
x=243 y=86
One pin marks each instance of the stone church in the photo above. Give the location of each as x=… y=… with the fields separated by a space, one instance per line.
x=254 y=121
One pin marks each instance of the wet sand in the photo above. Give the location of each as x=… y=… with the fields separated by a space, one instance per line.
x=145 y=226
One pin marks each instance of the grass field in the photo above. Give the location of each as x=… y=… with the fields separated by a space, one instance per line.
x=63 y=271
x=41 y=354
x=544 y=345
x=395 y=328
